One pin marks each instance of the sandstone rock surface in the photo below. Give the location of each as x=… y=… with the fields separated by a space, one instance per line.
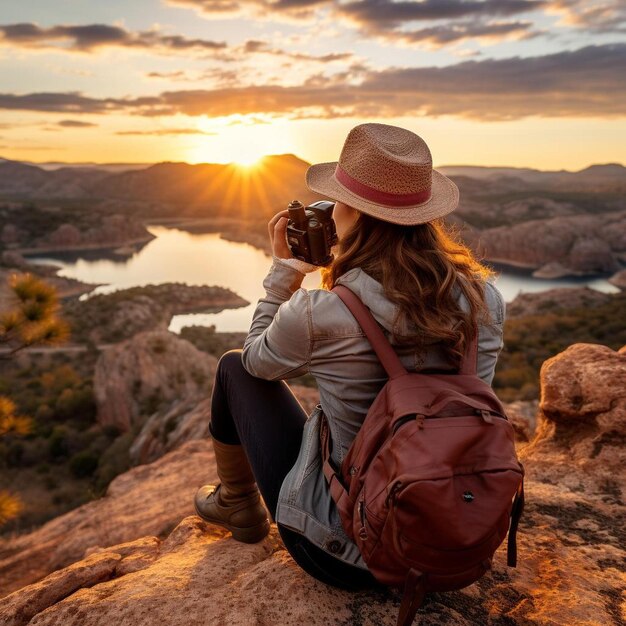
x=571 y=552
x=581 y=423
x=148 y=372
x=145 y=501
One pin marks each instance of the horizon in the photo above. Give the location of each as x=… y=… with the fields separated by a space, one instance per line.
x=532 y=84
x=256 y=163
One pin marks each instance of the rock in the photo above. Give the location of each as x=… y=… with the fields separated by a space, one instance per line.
x=589 y=253
x=116 y=229
x=147 y=500
x=150 y=371
x=189 y=419
x=103 y=319
x=553 y=269
x=579 y=244
x=521 y=414
x=167 y=429
x=19 y=608
x=64 y=235
x=559 y=298
x=619 y=279
x=118 y=315
x=581 y=423
x=200 y=575
x=570 y=539
x=10 y=234
x=11 y=258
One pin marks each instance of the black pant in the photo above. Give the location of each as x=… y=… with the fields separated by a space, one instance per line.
x=267 y=419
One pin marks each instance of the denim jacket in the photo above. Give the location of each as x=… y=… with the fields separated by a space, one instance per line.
x=296 y=331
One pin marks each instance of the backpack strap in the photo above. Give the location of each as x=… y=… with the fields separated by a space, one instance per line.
x=372 y=330
x=337 y=491
x=516 y=513
x=412 y=598
x=381 y=345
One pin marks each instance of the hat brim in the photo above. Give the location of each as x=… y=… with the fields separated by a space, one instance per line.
x=444 y=197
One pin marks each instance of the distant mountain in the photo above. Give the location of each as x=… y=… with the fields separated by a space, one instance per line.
x=109 y=167
x=609 y=177
x=202 y=189
x=207 y=189
x=21 y=181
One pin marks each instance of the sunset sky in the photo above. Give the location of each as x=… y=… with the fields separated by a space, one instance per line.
x=525 y=83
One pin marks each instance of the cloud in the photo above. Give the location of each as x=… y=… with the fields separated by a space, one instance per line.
x=439 y=36
x=607 y=16
x=86 y=38
x=70 y=102
x=92 y=37
x=262 y=47
x=298 y=9
x=364 y=12
x=75 y=124
x=176 y=75
x=166 y=131
x=374 y=14
x=587 y=82
x=390 y=21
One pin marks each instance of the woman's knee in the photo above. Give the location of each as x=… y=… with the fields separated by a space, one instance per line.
x=230 y=360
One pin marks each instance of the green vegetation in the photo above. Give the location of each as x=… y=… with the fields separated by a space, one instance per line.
x=531 y=339
x=32 y=320
x=67 y=458
x=205 y=338
x=119 y=315
x=38 y=221
x=53 y=455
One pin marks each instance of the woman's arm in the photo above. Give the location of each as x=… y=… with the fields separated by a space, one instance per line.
x=492 y=341
x=279 y=341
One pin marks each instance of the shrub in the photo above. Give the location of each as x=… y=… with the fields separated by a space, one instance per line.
x=58 y=442
x=83 y=464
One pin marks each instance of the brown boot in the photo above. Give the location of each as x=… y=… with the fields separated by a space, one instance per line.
x=235 y=501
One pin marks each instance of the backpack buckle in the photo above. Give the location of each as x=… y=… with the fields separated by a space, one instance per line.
x=485 y=415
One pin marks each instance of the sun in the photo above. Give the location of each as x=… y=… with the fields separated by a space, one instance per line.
x=247 y=160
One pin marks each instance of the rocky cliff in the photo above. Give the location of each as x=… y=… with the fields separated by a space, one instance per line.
x=559 y=246
x=559 y=298
x=139 y=556
x=121 y=314
x=103 y=231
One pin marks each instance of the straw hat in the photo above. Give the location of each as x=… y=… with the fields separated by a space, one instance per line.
x=387 y=172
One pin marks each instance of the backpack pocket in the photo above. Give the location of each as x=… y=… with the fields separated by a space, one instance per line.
x=439 y=523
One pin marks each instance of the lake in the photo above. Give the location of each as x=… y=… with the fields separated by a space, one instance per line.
x=206 y=259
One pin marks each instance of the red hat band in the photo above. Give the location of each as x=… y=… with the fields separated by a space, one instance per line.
x=381 y=197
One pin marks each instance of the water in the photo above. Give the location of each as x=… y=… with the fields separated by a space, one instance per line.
x=205 y=259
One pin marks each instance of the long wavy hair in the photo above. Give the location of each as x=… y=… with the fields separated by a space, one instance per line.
x=418 y=267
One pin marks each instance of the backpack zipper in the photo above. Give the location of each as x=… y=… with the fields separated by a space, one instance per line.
x=419 y=418
x=362 y=530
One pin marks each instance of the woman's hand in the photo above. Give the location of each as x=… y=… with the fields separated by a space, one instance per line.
x=277 y=228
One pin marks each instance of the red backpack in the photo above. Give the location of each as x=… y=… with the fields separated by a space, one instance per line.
x=432 y=479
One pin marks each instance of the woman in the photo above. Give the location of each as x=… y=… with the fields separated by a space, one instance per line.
x=422 y=286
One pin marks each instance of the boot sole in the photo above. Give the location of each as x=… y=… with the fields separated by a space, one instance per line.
x=250 y=534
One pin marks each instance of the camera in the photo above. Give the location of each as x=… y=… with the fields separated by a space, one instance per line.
x=311 y=231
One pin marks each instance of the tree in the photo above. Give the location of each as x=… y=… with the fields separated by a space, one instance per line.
x=31 y=320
